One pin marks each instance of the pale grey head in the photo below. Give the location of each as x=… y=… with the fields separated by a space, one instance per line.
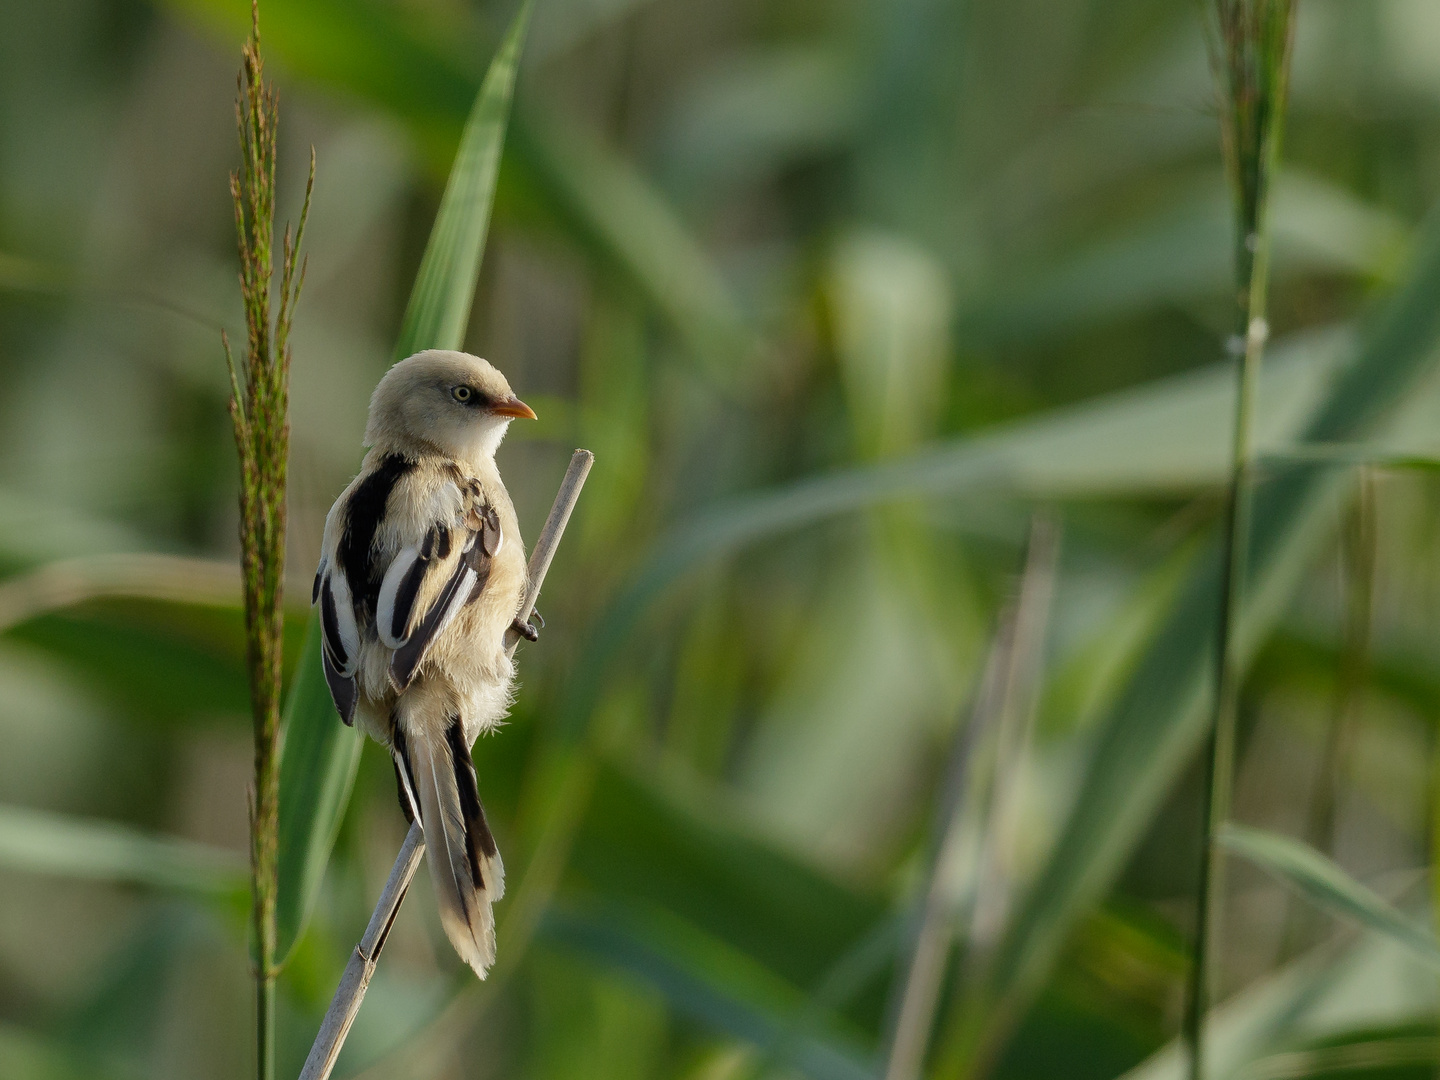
x=439 y=401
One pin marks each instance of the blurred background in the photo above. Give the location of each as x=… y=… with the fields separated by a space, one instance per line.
x=897 y=328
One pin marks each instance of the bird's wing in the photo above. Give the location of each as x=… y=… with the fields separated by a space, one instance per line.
x=346 y=580
x=427 y=585
x=340 y=636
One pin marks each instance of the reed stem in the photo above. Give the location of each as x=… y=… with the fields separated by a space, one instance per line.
x=260 y=414
x=1251 y=55
x=995 y=740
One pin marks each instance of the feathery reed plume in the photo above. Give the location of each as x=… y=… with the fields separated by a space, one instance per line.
x=259 y=409
x=1250 y=44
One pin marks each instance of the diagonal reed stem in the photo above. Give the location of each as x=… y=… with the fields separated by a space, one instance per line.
x=1001 y=717
x=355 y=980
x=1251 y=57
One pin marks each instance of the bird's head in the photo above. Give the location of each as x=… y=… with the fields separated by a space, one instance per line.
x=438 y=400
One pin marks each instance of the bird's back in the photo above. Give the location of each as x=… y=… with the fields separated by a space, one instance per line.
x=394 y=505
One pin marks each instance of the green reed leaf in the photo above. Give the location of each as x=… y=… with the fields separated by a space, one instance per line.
x=702 y=979
x=38 y=842
x=1328 y=886
x=317 y=771
x=603 y=199
x=439 y=308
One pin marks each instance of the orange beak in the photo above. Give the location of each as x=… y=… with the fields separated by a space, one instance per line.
x=513 y=407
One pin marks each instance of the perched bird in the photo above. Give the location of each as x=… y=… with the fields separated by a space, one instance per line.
x=421 y=574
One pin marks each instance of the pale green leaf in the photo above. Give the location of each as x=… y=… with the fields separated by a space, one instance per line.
x=38 y=842
x=618 y=214
x=1329 y=887
x=1327 y=991
x=317 y=770
x=1163 y=438
x=439 y=308
x=703 y=979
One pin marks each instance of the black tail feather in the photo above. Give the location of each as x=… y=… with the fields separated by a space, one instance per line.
x=465 y=867
x=404 y=774
x=478 y=838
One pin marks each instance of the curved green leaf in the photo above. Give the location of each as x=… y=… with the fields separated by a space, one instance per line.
x=369 y=50
x=1165 y=437
x=439 y=307
x=318 y=761
x=703 y=979
x=1324 y=991
x=1325 y=884
x=616 y=212
x=320 y=755
x=44 y=843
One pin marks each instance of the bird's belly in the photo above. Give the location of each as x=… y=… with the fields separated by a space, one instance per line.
x=465 y=673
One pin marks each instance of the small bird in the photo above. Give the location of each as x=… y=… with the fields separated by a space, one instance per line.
x=421 y=574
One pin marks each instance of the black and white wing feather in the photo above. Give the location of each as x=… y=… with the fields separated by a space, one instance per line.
x=403 y=600
x=340 y=637
x=423 y=591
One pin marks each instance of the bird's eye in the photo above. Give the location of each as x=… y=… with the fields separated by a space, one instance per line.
x=462 y=394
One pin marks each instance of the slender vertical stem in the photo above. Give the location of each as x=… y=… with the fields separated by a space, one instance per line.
x=1251 y=56
x=1220 y=744
x=260 y=413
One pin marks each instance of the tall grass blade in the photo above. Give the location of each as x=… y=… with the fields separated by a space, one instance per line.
x=260 y=414
x=38 y=842
x=439 y=308
x=1325 y=884
x=317 y=772
x=1001 y=721
x=1251 y=56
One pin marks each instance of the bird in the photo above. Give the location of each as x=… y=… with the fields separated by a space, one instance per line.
x=421 y=574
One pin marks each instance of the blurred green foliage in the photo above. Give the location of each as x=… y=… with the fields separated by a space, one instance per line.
x=840 y=295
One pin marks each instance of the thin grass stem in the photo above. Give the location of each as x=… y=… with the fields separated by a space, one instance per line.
x=1001 y=720
x=1250 y=51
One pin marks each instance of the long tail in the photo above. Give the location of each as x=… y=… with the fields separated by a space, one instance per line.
x=437 y=778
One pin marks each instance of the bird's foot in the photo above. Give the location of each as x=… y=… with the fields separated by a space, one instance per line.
x=528 y=630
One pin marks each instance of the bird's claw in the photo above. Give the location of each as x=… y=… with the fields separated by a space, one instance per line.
x=525 y=629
